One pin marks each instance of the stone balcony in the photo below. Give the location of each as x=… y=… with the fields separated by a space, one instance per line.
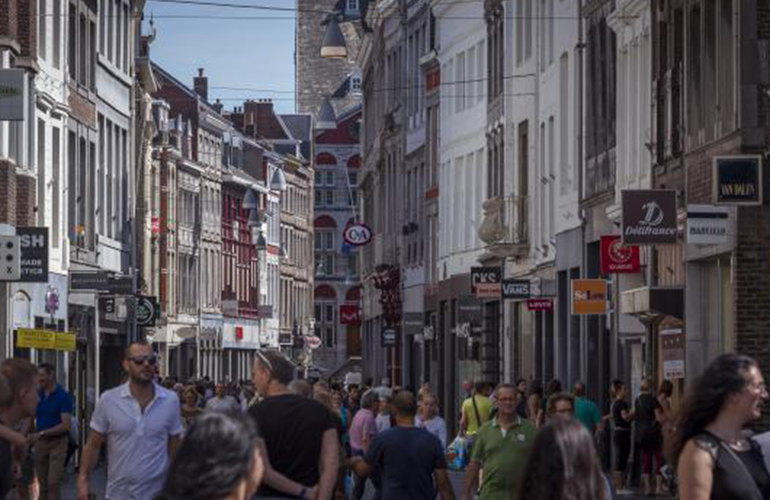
x=505 y=228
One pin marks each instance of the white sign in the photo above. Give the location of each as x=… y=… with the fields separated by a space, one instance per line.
x=11 y=94
x=313 y=342
x=673 y=351
x=10 y=258
x=357 y=234
x=707 y=225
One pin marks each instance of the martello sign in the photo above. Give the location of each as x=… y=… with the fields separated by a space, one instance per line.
x=649 y=216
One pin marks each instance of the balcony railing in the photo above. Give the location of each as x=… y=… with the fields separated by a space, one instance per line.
x=505 y=228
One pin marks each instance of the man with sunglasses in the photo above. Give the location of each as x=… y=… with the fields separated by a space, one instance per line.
x=141 y=423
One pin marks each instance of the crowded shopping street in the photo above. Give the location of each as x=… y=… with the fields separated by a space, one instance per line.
x=384 y=249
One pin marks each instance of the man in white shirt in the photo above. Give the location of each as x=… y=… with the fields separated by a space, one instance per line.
x=142 y=425
x=429 y=420
x=222 y=401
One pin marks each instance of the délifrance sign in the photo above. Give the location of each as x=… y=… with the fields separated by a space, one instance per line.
x=649 y=216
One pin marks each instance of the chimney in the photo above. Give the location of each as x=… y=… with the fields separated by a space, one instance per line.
x=218 y=106
x=201 y=85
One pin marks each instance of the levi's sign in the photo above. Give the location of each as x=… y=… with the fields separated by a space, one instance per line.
x=649 y=216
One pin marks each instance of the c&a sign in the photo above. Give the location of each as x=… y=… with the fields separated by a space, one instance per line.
x=615 y=257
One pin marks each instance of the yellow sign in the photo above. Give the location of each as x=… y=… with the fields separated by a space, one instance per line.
x=589 y=297
x=45 y=339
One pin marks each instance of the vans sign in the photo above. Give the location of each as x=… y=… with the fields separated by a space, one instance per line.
x=649 y=216
x=516 y=289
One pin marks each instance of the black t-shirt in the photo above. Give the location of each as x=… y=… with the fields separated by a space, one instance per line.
x=618 y=407
x=292 y=428
x=6 y=468
x=406 y=458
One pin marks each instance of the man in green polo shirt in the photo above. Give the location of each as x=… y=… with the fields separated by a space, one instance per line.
x=501 y=449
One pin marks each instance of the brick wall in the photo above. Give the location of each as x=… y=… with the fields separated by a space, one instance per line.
x=25 y=200
x=9 y=19
x=7 y=192
x=27 y=25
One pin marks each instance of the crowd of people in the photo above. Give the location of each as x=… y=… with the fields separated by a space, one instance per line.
x=278 y=437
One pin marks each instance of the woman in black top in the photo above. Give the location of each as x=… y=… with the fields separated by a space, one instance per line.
x=649 y=437
x=621 y=435
x=715 y=460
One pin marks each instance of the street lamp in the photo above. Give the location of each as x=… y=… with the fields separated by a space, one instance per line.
x=334 y=41
x=327 y=120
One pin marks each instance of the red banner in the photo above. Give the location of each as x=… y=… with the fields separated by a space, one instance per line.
x=618 y=258
x=350 y=315
x=540 y=304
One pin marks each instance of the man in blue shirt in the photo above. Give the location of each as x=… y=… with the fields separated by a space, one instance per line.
x=410 y=460
x=54 y=417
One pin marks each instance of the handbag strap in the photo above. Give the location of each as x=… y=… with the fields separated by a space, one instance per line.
x=742 y=467
x=476 y=410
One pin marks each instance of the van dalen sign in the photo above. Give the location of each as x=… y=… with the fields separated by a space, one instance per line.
x=649 y=216
x=738 y=180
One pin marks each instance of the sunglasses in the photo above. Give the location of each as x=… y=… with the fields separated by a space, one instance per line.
x=140 y=360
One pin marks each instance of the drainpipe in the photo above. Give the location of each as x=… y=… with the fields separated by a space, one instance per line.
x=580 y=49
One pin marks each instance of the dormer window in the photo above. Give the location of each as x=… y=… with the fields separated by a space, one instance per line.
x=353 y=6
x=355 y=82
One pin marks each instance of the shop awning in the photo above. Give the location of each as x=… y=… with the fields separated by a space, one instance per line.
x=653 y=303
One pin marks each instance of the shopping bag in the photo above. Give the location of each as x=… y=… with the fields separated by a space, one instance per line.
x=458 y=453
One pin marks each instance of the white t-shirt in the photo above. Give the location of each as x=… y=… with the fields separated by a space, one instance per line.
x=435 y=426
x=137 y=443
x=227 y=403
x=383 y=422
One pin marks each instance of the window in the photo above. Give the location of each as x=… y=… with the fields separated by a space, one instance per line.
x=42 y=17
x=42 y=196
x=330 y=178
x=329 y=339
x=353 y=6
x=355 y=84
x=319 y=180
x=329 y=238
x=57 y=19
x=56 y=174
x=459 y=90
x=318 y=310
x=72 y=41
x=353 y=178
x=330 y=197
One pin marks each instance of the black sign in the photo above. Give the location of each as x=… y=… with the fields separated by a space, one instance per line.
x=101 y=281
x=485 y=275
x=413 y=323
x=33 y=243
x=389 y=337
x=738 y=180
x=649 y=216
x=147 y=311
x=89 y=280
x=469 y=309
x=107 y=304
x=516 y=289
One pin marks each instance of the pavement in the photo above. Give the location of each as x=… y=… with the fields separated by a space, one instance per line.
x=99 y=482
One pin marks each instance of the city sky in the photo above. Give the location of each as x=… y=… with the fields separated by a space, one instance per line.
x=238 y=48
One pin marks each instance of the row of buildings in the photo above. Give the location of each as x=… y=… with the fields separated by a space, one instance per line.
x=503 y=134
x=165 y=216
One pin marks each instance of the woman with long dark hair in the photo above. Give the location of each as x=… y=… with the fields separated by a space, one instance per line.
x=219 y=459
x=563 y=465
x=622 y=416
x=715 y=458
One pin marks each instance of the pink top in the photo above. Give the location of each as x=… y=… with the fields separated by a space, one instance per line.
x=364 y=423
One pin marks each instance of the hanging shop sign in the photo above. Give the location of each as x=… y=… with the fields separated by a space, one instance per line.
x=649 y=216
x=516 y=289
x=469 y=309
x=358 y=234
x=537 y=305
x=45 y=339
x=707 y=225
x=350 y=315
x=486 y=282
x=589 y=297
x=33 y=242
x=12 y=91
x=10 y=258
x=738 y=180
x=672 y=346
x=313 y=342
x=389 y=337
x=413 y=323
x=615 y=257
x=147 y=311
